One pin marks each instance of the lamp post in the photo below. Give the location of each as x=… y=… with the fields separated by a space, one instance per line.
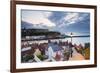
x=71 y=44
x=71 y=36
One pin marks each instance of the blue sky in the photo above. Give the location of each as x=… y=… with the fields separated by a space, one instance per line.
x=64 y=22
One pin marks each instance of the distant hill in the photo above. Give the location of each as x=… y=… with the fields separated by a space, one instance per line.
x=38 y=32
x=27 y=25
x=29 y=29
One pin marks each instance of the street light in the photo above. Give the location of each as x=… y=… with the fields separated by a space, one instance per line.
x=71 y=44
x=71 y=36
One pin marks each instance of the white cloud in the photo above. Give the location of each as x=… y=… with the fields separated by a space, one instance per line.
x=71 y=18
x=47 y=14
x=38 y=17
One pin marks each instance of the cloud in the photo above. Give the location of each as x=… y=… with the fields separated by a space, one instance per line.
x=62 y=19
x=71 y=21
x=57 y=16
x=58 y=21
x=72 y=18
x=37 y=17
x=47 y=13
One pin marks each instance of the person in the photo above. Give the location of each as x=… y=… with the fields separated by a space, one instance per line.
x=70 y=47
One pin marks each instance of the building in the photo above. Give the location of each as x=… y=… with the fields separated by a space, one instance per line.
x=38 y=34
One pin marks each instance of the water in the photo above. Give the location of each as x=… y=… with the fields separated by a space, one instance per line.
x=79 y=40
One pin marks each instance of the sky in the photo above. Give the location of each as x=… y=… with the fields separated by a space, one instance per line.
x=63 y=22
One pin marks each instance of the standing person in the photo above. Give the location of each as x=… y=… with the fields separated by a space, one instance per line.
x=70 y=48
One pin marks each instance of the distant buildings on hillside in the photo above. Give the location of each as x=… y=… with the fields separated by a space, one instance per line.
x=39 y=34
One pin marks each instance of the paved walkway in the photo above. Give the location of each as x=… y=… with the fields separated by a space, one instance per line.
x=76 y=55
